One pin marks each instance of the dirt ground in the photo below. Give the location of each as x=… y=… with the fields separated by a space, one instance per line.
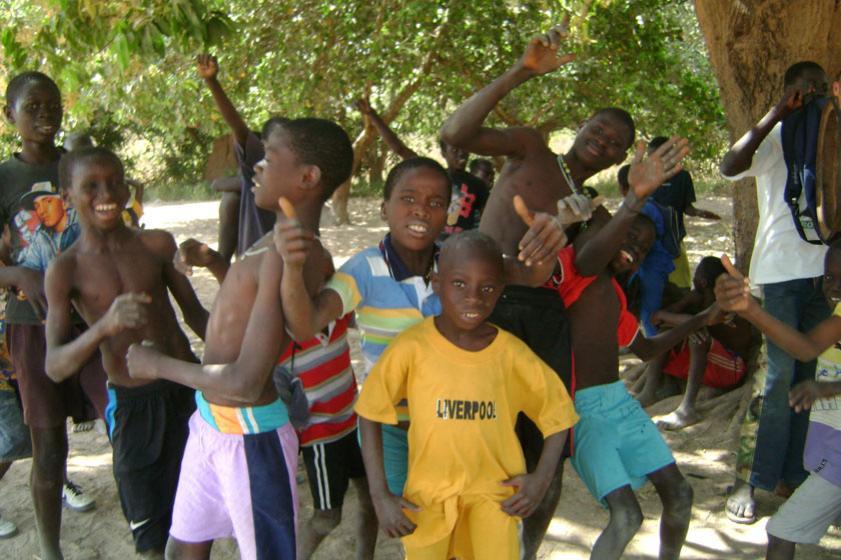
x=702 y=451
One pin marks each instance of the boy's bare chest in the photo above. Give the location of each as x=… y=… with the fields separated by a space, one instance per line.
x=101 y=278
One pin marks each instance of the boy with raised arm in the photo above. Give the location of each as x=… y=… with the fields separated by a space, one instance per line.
x=617 y=447
x=118 y=278
x=254 y=222
x=470 y=194
x=238 y=473
x=542 y=178
x=788 y=270
x=808 y=513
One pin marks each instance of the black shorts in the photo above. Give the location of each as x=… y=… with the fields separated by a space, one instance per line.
x=330 y=466
x=537 y=316
x=148 y=430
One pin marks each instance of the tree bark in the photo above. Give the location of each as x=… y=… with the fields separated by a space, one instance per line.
x=366 y=137
x=750 y=45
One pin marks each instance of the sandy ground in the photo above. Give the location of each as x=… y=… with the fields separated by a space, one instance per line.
x=702 y=451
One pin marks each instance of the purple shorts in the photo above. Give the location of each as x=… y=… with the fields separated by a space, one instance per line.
x=241 y=486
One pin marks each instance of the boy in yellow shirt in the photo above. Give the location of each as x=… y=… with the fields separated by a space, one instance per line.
x=465 y=381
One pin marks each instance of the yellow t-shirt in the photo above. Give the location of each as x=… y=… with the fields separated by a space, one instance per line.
x=463 y=406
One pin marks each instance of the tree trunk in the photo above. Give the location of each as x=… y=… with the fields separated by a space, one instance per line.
x=750 y=45
x=368 y=134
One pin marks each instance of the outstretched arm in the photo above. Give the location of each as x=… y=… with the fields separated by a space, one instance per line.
x=647 y=348
x=464 y=127
x=597 y=246
x=208 y=68
x=391 y=139
x=732 y=293
x=245 y=379
x=193 y=252
x=700 y=213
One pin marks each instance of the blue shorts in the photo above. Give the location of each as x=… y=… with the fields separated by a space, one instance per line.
x=395 y=458
x=615 y=442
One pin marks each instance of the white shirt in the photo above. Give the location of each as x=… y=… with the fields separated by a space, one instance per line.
x=779 y=254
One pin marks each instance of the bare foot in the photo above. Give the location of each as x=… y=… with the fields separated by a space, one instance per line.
x=740 y=506
x=678 y=419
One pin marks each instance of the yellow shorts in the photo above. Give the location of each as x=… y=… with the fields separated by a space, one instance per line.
x=475 y=527
x=681 y=276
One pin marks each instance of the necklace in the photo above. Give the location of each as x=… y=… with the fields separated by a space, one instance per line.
x=567 y=174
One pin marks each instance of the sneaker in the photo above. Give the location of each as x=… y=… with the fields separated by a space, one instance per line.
x=82 y=427
x=7 y=529
x=75 y=499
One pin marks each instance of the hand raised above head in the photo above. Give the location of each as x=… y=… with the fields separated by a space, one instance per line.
x=649 y=172
x=363 y=104
x=207 y=66
x=542 y=53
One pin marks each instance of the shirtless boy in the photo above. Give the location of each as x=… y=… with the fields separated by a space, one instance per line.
x=542 y=178
x=118 y=277
x=715 y=356
x=238 y=475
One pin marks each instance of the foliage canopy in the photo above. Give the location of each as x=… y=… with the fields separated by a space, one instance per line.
x=127 y=74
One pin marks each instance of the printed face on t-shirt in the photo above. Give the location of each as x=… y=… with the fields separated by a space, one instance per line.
x=50 y=210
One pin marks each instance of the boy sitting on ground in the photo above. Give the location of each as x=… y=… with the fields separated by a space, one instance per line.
x=238 y=474
x=118 y=278
x=714 y=356
x=467 y=481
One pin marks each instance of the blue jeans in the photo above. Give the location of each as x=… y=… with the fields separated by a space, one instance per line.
x=781 y=433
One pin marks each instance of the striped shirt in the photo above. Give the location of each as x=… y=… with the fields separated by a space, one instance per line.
x=323 y=366
x=386 y=297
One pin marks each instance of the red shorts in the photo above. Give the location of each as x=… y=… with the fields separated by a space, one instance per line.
x=725 y=369
x=47 y=404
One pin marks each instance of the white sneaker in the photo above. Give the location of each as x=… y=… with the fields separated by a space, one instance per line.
x=75 y=499
x=7 y=529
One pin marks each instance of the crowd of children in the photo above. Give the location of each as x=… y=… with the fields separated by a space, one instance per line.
x=491 y=330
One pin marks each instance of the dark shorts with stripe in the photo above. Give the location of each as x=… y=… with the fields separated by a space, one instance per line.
x=148 y=430
x=330 y=467
x=537 y=316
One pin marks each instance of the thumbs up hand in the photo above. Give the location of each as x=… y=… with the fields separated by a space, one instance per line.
x=544 y=238
x=291 y=240
x=732 y=290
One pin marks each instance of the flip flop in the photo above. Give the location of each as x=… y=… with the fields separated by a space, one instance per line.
x=740 y=519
